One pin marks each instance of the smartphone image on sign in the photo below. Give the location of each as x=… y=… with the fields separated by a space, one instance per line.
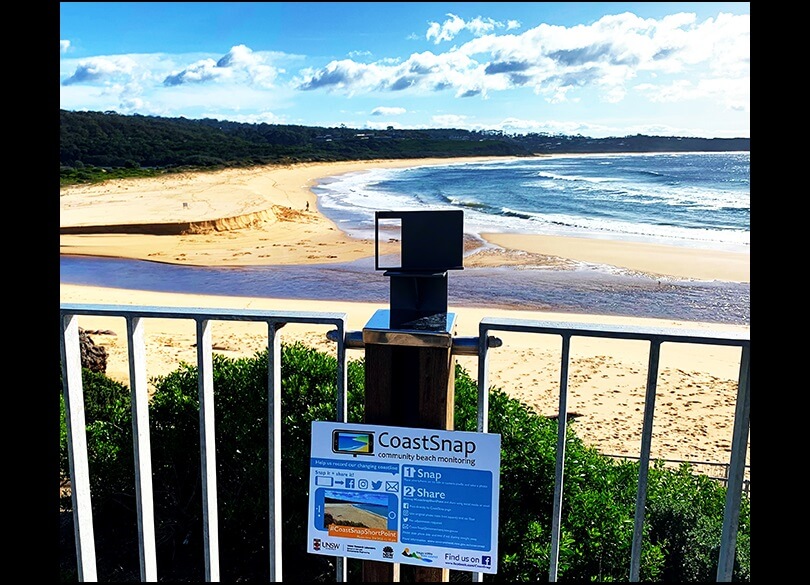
x=353 y=442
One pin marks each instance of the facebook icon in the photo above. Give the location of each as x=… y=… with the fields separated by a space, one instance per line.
x=486 y=560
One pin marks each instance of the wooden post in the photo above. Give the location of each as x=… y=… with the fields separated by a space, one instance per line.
x=411 y=387
x=410 y=371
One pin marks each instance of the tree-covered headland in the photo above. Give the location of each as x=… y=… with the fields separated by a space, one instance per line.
x=97 y=146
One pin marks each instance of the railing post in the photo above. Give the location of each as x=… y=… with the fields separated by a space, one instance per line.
x=274 y=448
x=559 y=463
x=644 y=459
x=208 y=458
x=77 y=449
x=736 y=469
x=144 y=496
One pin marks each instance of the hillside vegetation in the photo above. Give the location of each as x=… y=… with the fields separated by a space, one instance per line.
x=95 y=146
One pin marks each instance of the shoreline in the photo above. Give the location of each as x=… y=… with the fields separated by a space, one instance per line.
x=269 y=216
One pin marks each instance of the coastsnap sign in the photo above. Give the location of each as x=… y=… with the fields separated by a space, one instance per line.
x=404 y=495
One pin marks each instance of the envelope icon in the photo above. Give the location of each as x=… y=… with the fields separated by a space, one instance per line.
x=392 y=486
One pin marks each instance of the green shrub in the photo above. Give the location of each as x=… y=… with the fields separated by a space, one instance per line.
x=685 y=515
x=682 y=526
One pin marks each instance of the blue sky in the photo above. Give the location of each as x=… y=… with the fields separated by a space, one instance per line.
x=591 y=68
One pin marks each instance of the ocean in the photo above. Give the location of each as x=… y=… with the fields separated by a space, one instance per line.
x=699 y=200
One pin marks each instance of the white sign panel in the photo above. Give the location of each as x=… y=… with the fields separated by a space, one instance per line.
x=405 y=495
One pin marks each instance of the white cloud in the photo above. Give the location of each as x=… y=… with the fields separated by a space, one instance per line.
x=522 y=126
x=449 y=121
x=345 y=75
x=199 y=72
x=240 y=64
x=559 y=62
x=451 y=27
x=102 y=69
x=64 y=46
x=421 y=73
x=481 y=26
x=387 y=111
x=733 y=93
x=445 y=31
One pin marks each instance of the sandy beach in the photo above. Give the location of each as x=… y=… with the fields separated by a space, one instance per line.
x=269 y=215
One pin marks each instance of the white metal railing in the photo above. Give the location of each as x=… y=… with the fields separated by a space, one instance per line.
x=135 y=316
x=655 y=337
x=77 y=442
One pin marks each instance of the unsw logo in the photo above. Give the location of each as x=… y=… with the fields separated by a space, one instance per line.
x=318 y=544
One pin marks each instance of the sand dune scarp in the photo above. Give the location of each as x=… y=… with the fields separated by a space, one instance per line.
x=180 y=228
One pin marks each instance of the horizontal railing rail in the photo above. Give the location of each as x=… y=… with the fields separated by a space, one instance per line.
x=736 y=482
x=705 y=467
